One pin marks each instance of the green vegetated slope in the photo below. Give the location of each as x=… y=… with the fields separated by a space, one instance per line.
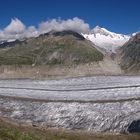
x=10 y=131
x=66 y=48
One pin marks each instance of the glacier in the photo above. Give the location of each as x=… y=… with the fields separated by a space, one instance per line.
x=96 y=104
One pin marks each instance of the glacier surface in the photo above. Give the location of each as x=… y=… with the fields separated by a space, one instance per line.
x=97 y=104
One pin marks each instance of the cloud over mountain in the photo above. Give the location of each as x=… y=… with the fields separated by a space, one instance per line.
x=17 y=30
x=15 y=27
x=75 y=24
x=14 y=30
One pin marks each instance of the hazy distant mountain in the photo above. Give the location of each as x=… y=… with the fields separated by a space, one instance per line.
x=65 y=47
x=105 y=39
x=130 y=54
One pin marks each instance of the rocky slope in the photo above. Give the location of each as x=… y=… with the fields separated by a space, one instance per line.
x=66 y=48
x=130 y=55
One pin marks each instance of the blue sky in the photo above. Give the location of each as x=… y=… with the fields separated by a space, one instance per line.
x=121 y=16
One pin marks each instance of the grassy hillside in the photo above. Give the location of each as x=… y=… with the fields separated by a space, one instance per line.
x=64 y=48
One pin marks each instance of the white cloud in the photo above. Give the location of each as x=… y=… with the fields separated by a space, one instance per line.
x=14 y=30
x=15 y=27
x=31 y=32
x=74 y=24
x=17 y=30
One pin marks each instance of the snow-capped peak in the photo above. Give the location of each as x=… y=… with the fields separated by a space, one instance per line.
x=103 y=31
x=134 y=34
x=100 y=30
x=105 y=39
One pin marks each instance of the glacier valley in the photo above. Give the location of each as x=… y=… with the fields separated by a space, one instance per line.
x=96 y=104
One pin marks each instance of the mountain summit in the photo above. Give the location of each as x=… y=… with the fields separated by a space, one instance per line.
x=105 y=39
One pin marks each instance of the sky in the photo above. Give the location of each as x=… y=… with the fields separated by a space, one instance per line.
x=120 y=16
